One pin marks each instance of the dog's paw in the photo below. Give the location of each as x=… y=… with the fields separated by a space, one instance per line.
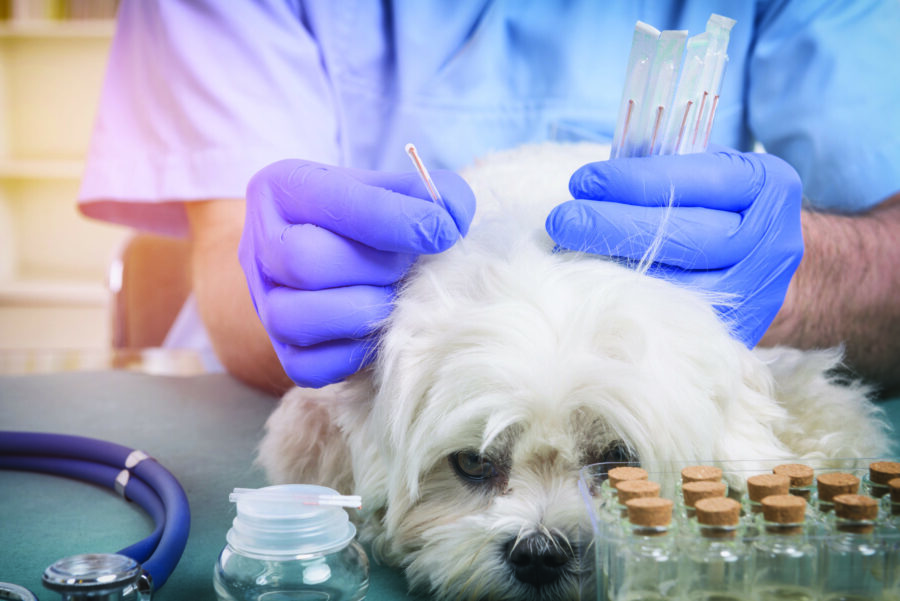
x=304 y=443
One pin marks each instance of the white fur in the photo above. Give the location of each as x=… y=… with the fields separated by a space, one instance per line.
x=539 y=360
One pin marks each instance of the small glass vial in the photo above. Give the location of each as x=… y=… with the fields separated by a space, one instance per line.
x=875 y=483
x=761 y=486
x=854 y=559
x=284 y=545
x=609 y=494
x=802 y=479
x=701 y=473
x=646 y=568
x=830 y=485
x=716 y=567
x=891 y=535
x=620 y=474
x=698 y=473
x=785 y=563
x=634 y=489
x=693 y=492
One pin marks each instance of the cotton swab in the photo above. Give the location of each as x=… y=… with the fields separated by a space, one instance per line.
x=426 y=177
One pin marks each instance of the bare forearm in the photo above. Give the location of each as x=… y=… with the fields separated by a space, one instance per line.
x=847 y=291
x=237 y=335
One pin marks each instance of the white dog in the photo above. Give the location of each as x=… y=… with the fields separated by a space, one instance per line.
x=505 y=367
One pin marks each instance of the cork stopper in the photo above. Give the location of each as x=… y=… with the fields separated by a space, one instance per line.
x=718 y=511
x=833 y=484
x=882 y=472
x=701 y=473
x=894 y=485
x=620 y=474
x=784 y=509
x=855 y=507
x=765 y=485
x=636 y=489
x=800 y=475
x=695 y=491
x=650 y=512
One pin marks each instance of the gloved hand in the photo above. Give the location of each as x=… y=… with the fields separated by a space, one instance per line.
x=322 y=247
x=733 y=229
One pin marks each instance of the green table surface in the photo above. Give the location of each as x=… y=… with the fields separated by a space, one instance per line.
x=203 y=428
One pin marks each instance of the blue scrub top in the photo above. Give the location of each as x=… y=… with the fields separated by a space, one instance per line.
x=200 y=94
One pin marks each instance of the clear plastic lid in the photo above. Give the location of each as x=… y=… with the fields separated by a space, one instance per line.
x=289 y=520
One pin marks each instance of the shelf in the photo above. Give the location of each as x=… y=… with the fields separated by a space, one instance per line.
x=18 y=169
x=46 y=28
x=52 y=292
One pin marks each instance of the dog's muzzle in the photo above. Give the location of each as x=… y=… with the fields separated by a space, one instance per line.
x=539 y=559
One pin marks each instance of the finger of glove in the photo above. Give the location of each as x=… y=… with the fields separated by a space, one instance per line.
x=685 y=237
x=309 y=257
x=458 y=197
x=725 y=180
x=326 y=363
x=306 y=318
x=293 y=191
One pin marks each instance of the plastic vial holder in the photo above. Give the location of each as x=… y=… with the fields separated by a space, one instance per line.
x=672 y=88
x=291 y=542
x=607 y=540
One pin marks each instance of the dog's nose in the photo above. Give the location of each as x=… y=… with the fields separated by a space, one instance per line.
x=538 y=559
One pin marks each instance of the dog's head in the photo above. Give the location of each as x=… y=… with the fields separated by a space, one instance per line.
x=504 y=368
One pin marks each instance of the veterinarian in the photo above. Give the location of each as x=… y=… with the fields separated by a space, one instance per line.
x=200 y=95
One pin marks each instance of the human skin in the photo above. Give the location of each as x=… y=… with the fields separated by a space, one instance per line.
x=845 y=291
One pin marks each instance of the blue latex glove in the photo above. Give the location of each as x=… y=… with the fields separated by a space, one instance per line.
x=322 y=247
x=733 y=229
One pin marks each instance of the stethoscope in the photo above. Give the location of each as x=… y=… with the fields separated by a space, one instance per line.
x=136 y=571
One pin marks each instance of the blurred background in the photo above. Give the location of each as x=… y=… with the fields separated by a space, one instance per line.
x=54 y=263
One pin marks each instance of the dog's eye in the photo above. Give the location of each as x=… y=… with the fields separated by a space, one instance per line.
x=618 y=453
x=472 y=466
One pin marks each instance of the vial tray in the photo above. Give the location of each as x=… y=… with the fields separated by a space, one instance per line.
x=871 y=570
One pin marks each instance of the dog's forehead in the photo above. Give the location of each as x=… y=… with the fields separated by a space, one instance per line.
x=563 y=429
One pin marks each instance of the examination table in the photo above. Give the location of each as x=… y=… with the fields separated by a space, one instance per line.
x=203 y=428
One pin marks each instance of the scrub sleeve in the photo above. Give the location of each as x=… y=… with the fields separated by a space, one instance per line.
x=199 y=95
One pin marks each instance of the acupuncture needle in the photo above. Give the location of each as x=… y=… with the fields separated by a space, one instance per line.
x=426 y=177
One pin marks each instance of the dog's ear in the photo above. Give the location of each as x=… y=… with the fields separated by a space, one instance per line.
x=308 y=437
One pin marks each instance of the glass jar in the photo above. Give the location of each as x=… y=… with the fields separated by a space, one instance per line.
x=854 y=558
x=716 y=565
x=291 y=550
x=785 y=563
x=647 y=567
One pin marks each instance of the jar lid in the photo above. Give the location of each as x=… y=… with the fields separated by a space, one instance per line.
x=832 y=484
x=701 y=473
x=765 y=485
x=636 y=489
x=650 y=511
x=718 y=511
x=882 y=472
x=855 y=507
x=695 y=491
x=784 y=509
x=620 y=474
x=268 y=524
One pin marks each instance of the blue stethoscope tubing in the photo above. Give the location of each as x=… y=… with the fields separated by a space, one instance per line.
x=149 y=484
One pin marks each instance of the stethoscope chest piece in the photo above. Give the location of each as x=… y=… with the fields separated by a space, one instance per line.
x=97 y=577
